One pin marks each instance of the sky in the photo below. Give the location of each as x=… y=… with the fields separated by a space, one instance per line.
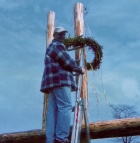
x=113 y=24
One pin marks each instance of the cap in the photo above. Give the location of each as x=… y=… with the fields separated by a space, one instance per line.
x=60 y=29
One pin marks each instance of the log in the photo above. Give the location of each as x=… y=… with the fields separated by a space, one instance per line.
x=50 y=27
x=79 y=30
x=33 y=136
x=98 y=130
x=79 y=19
x=49 y=37
x=114 y=128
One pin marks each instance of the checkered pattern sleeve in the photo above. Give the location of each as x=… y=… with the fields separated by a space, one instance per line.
x=60 y=55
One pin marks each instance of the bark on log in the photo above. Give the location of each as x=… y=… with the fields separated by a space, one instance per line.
x=98 y=130
x=33 y=136
x=114 y=128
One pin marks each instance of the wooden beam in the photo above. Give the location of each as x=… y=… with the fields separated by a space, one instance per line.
x=114 y=128
x=79 y=30
x=33 y=136
x=49 y=37
x=50 y=27
x=79 y=19
x=98 y=130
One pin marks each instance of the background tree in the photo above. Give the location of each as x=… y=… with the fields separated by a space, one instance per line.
x=124 y=111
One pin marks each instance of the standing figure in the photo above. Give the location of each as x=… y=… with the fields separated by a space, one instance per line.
x=58 y=81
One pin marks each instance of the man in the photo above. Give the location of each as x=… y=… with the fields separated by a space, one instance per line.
x=58 y=81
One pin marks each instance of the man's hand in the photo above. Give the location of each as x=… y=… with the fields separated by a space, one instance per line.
x=83 y=70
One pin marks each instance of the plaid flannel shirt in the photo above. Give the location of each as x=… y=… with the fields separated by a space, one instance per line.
x=58 y=68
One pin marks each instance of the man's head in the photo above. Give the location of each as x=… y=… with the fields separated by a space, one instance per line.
x=60 y=34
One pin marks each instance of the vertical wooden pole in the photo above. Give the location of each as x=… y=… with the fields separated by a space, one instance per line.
x=78 y=25
x=49 y=37
x=50 y=27
x=79 y=19
x=79 y=30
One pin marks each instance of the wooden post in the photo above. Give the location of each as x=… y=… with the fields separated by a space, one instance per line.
x=79 y=31
x=79 y=19
x=50 y=29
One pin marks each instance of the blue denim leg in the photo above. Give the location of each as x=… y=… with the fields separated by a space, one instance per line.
x=63 y=96
x=51 y=118
x=59 y=114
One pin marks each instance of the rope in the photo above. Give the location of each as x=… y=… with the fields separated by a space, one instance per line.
x=94 y=82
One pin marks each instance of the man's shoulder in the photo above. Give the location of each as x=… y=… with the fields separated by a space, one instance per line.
x=55 y=46
x=56 y=43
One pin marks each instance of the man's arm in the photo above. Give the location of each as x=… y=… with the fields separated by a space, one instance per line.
x=59 y=54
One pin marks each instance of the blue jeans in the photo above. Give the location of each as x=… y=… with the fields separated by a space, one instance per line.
x=58 y=114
